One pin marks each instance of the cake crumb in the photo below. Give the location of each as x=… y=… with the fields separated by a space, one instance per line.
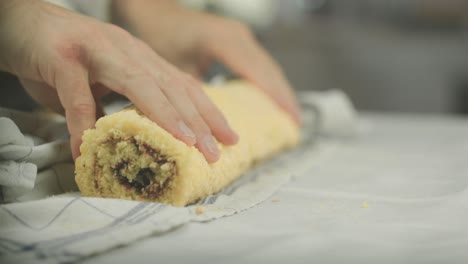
x=275 y=201
x=365 y=204
x=200 y=210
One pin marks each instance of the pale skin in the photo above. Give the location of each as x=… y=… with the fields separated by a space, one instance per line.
x=68 y=61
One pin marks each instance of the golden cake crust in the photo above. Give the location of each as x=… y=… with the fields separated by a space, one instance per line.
x=127 y=156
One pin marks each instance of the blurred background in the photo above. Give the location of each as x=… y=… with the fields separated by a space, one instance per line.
x=388 y=55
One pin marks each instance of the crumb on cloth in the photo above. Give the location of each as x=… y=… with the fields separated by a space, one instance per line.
x=200 y=210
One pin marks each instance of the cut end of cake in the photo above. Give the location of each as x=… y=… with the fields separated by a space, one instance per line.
x=137 y=166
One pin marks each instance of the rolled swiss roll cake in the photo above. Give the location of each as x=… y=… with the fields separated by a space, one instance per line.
x=128 y=156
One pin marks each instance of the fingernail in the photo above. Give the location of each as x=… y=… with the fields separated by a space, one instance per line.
x=236 y=136
x=188 y=133
x=210 y=144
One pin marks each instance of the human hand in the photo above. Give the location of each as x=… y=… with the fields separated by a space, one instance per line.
x=71 y=61
x=192 y=40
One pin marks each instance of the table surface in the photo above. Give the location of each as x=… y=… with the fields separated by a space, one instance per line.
x=396 y=193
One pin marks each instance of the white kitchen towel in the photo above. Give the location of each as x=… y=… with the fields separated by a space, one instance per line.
x=31 y=147
x=69 y=227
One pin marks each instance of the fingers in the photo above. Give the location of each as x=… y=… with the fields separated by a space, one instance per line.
x=183 y=104
x=160 y=91
x=248 y=59
x=212 y=115
x=157 y=107
x=131 y=80
x=202 y=116
x=76 y=97
x=173 y=86
x=48 y=97
x=266 y=75
x=197 y=110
